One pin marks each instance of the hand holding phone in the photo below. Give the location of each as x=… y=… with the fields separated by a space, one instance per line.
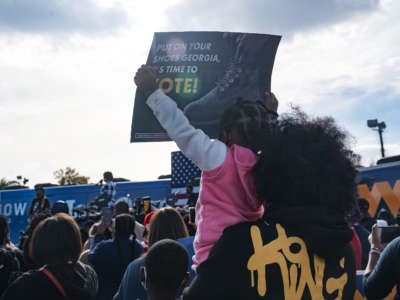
x=375 y=238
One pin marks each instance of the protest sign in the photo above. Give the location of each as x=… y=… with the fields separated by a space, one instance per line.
x=205 y=73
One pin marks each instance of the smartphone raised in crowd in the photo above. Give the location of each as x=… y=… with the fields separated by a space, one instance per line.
x=389 y=233
x=107 y=213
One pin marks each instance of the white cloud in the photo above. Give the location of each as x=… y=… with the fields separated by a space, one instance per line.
x=277 y=17
x=348 y=70
x=54 y=16
x=68 y=101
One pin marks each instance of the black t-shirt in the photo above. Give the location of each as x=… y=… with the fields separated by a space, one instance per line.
x=192 y=199
x=140 y=215
x=255 y=260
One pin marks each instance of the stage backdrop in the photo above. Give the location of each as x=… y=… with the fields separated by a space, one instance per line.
x=15 y=204
x=205 y=72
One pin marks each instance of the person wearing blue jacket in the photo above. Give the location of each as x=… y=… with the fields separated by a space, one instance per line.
x=166 y=223
x=111 y=257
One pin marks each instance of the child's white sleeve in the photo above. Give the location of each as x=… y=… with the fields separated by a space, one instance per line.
x=207 y=154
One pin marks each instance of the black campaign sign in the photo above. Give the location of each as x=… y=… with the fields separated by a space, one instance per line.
x=205 y=73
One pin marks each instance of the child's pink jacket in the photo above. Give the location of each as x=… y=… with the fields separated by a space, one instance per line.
x=227 y=197
x=227 y=192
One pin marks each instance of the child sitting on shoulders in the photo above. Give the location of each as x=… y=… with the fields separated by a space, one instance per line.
x=227 y=191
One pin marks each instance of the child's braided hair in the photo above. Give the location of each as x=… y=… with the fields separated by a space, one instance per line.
x=250 y=119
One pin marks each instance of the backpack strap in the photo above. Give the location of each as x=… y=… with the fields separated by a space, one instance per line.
x=55 y=281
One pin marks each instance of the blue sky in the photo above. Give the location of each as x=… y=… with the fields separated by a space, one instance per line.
x=66 y=68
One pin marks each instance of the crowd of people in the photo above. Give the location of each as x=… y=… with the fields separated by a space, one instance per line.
x=277 y=217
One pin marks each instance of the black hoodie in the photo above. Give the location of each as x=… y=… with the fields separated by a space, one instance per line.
x=78 y=280
x=304 y=255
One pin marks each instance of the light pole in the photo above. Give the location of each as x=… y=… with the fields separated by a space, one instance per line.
x=381 y=126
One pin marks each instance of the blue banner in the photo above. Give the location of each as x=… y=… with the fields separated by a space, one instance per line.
x=15 y=204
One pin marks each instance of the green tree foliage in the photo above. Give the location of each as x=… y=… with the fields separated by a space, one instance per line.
x=4 y=182
x=70 y=176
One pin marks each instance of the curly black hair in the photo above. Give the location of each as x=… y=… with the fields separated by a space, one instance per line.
x=302 y=161
x=305 y=161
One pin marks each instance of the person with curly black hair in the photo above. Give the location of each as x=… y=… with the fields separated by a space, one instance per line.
x=300 y=248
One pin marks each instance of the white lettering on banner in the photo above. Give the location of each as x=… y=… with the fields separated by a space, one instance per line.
x=179 y=45
x=19 y=208
x=7 y=210
x=212 y=58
